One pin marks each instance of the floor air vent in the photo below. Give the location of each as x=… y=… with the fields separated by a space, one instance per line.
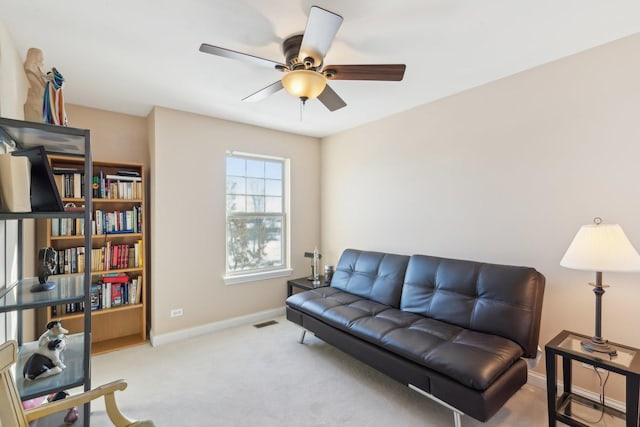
x=263 y=324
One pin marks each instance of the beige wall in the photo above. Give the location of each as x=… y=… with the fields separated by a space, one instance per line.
x=115 y=137
x=188 y=224
x=13 y=82
x=504 y=173
x=13 y=92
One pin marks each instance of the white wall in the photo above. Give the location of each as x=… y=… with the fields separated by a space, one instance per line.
x=188 y=154
x=504 y=173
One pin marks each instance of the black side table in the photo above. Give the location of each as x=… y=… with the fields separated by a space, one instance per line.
x=564 y=408
x=304 y=284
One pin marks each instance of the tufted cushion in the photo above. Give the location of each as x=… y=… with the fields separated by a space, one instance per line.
x=470 y=358
x=372 y=275
x=494 y=299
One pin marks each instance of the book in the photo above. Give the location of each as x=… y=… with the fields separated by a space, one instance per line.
x=139 y=257
x=101 y=180
x=62 y=170
x=96 y=296
x=124 y=178
x=120 y=278
x=81 y=265
x=116 y=294
x=138 y=296
x=55 y=227
x=125 y=292
x=128 y=173
x=106 y=295
x=77 y=185
x=95 y=186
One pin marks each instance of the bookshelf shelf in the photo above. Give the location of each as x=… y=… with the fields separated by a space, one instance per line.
x=115 y=201
x=120 y=342
x=99 y=236
x=70 y=317
x=66 y=200
x=111 y=310
x=18 y=296
x=38 y=215
x=118 y=204
x=119 y=270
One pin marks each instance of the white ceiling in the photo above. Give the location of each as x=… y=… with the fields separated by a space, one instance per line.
x=129 y=55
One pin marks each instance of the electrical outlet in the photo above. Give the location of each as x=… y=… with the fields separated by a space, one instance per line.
x=176 y=312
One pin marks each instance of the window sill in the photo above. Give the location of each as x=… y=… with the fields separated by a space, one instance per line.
x=243 y=278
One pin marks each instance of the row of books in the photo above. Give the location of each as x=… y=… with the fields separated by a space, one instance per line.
x=103 y=222
x=73 y=307
x=117 y=221
x=70 y=260
x=125 y=190
x=109 y=292
x=121 y=185
x=108 y=257
x=113 y=291
x=67 y=227
x=69 y=181
x=125 y=185
x=116 y=256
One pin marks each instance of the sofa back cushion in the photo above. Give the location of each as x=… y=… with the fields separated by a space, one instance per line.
x=495 y=299
x=373 y=275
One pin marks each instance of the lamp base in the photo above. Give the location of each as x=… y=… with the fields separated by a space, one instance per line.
x=598 y=346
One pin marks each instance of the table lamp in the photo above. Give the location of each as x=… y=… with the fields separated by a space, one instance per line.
x=600 y=247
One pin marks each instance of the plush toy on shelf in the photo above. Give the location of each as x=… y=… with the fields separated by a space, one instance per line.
x=54 y=331
x=47 y=359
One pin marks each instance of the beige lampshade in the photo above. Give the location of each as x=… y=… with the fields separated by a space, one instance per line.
x=601 y=247
x=304 y=83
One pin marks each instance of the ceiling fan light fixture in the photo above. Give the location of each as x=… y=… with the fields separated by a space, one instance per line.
x=304 y=84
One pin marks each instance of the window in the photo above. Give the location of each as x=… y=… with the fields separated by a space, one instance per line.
x=256 y=214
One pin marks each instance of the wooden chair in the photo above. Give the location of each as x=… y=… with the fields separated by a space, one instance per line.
x=13 y=414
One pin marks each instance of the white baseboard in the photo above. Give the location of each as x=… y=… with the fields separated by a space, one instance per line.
x=536 y=379
x=171 y=337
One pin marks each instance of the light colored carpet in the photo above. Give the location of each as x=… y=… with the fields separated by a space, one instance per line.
x=263 y=377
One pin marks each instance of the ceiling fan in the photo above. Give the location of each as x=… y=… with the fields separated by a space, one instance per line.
x=305 y=75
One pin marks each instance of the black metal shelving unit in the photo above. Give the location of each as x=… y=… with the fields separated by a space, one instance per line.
x=17 y=297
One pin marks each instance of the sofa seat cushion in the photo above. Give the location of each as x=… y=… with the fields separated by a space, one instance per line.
x=471 y=358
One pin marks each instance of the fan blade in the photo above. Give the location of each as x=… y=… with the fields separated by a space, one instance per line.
x=386 y=72
x=331 y=100
x=319 y=33
x=264 y=92
x=228 y=53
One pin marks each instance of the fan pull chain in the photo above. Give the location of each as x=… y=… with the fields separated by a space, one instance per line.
x=303 y=102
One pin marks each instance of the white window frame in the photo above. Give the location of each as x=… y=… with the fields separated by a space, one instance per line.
x=232 y=277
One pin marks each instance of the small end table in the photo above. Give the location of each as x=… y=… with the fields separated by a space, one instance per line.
x=567 y=345
x=305 y=284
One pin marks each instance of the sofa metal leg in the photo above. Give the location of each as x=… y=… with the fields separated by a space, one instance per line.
x=457 y=418
x=304 y=332
x=457 y=415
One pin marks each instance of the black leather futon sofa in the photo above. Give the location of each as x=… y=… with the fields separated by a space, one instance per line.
x=454 y=330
